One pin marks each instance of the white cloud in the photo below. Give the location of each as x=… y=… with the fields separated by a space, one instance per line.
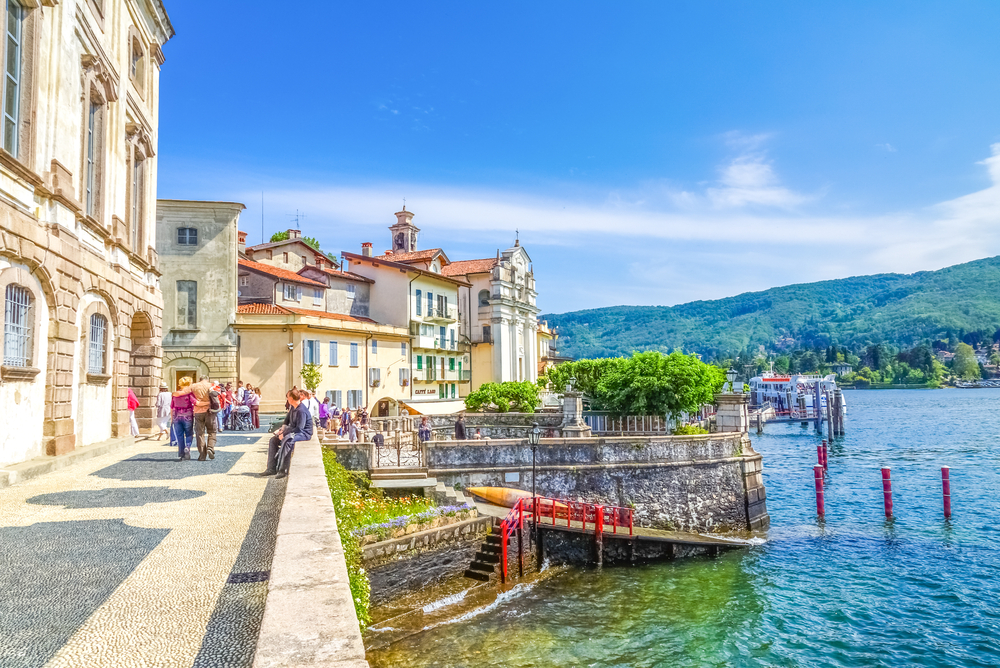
x=660 y=243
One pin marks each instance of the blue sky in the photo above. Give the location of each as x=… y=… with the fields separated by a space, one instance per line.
x=648 y=152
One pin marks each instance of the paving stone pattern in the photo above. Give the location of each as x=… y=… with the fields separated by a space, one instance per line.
x=133 y=559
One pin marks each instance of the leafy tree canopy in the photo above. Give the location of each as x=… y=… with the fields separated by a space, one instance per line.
x=965 y=365
x=648 y=383
x=311 y=376
x=309 y=241
x=519 y=397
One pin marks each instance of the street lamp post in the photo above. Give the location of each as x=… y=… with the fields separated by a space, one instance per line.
x=534 y=436
x=731 y=377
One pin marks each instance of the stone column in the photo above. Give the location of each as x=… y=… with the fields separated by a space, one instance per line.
x=732 y=414
x=573 y=425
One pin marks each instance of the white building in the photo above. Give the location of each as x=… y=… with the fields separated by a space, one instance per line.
x=410 y=290
x=499 y=315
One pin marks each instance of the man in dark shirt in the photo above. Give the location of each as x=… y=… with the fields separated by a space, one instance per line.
x=460 y=428
x=298 y=426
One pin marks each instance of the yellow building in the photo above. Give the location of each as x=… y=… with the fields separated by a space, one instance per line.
x=363 y=363
x=316 y=315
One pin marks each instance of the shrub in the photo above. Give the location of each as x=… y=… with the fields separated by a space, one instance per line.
x=689 y=430
x=520 y=397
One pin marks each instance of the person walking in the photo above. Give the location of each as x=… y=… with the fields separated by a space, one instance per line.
x=460 y=427
x=163 y=412
x=206 y=408
x=133 y=403
x=296 y=427
x=324 y=412
x=424 y=431
x=182 y=410
x=352 y=430
x=345 y=421
x=253 y=402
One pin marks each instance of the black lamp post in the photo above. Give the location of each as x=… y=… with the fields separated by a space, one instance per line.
x=731 y=377
x=534 y=436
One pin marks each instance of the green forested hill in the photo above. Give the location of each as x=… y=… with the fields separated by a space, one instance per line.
x=901 y=309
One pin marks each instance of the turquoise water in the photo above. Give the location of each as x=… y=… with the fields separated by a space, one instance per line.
x=855 y=590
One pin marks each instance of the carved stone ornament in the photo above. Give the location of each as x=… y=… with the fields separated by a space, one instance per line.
x=94 y=69
x=140 y=137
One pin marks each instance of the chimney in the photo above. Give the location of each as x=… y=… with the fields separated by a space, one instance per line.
x=320 y=260
x=241 y=242
x=366 y=249
x=294 y=234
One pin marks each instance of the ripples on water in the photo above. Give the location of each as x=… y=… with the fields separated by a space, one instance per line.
x=855 y=590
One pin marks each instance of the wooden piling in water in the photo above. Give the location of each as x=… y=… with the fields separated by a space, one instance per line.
x=887 y=491
x=946 y=490
x=820 y=505
x=829 y=416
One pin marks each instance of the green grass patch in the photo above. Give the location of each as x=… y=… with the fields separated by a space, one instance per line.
x=359 y=505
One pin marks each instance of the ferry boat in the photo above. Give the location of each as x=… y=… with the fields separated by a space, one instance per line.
x=783 y=392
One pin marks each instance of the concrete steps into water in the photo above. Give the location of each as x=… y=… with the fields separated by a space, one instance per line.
x=484 y=565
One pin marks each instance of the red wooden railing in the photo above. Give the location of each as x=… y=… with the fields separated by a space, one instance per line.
x=544 y=510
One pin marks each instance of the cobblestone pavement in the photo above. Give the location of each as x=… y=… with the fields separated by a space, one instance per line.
x=133 y=559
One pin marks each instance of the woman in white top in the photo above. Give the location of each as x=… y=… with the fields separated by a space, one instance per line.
x=163 y=412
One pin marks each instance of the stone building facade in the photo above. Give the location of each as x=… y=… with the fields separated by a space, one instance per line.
x=499 y=315
x=197 y=244
x=78 y=269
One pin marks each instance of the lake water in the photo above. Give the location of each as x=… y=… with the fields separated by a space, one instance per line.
x=855 y=590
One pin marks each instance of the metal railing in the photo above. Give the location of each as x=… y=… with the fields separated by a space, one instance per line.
x=605 y=423
x=541 y=510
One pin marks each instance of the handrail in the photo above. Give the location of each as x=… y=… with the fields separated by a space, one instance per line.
x=542 y=507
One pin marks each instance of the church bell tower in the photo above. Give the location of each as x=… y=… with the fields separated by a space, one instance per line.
x=404 y=232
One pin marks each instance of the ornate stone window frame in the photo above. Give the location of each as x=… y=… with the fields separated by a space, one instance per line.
x=99 y=87
x=97 y=307
x=138 y=61
x=21 y=161
x=139 y=146
x=21 y=277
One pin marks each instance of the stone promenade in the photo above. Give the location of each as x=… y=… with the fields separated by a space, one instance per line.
x=133 y=559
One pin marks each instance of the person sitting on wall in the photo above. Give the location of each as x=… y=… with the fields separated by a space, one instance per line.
x=478 y=436
x=424 y=431
x=298 y=426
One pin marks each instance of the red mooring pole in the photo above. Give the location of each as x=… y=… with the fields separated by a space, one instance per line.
x=819 y=456
x=820 y=506
x=826 y=456
x=946 y=488
x=887 y=491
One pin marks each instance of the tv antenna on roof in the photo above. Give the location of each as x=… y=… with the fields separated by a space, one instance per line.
x=296 y=217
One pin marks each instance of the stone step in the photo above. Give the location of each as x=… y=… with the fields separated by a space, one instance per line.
x=493 y=539
x=487 y=557
x=403 y=483
x=477 y=575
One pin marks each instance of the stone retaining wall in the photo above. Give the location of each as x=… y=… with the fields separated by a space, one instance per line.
x=403 y=565
x=695 y=483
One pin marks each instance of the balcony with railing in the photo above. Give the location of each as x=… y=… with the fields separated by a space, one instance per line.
x=438 y=314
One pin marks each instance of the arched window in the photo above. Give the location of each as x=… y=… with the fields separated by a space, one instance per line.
x=97 y=348
x=17 y=326
x=484 y=297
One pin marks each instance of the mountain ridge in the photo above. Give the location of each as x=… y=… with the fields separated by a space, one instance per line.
x=900 y=309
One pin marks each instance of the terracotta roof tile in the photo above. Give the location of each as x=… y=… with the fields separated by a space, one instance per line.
x=262 y=309
x=283 y=274
x=274 y=309
x=351 y=276
x=332 y=316
x=415 y=256
x=462 y=267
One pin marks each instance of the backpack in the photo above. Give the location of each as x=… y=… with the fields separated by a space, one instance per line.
x=214 y=406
